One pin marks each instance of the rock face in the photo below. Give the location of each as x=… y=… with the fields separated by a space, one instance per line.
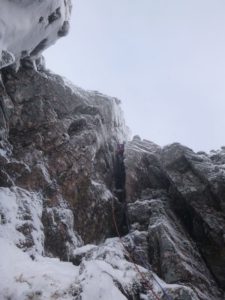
x=61 y=143
x=179 y=204
x=57 y=198
x=197 y=188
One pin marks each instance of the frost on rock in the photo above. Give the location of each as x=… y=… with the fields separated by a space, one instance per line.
x=20 y=219
x=6 y=59
x=29 y=27
x=59 y=201
x=61 y=237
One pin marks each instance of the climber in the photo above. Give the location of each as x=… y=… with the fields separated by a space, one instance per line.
x=120 y=189
x=120 y=153
x=120 y=175
x=120 y=149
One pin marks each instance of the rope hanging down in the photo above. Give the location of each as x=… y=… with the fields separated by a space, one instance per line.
x=143 y=277
x=120 y=179
x=147 y=266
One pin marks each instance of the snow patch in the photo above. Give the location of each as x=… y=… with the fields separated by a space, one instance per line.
x=102 y=191
x=20 y=221
x=43 y=278
x=3 y=153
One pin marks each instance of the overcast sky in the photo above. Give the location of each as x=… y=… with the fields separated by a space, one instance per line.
x=165 y=59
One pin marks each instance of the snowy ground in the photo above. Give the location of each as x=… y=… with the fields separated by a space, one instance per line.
x=26 y=274
x=48 y=278
x=99 y=271
x=43 y=278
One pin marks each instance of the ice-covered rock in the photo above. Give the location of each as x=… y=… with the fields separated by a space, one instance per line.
x=197 y=190
x=58 y=200
x=20 y=219
x=63 y=140
x=176 y=197
x=29 y=27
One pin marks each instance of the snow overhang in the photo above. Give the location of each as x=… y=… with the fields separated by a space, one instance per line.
x=28 y=27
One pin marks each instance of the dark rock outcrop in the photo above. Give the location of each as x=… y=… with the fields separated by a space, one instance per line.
x=197 y=189
x=182 y=211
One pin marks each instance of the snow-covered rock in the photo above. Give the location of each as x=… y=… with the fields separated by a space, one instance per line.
x=58 y=201
x=63 y=150
x=20 y=219
x=66 y=231
x=43 y=278
x=176 y=197
x=30 y=26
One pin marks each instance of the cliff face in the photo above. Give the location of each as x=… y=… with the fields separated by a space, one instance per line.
x=57 y=177
x=61 y=142
x=176 y=197
x=67 y=193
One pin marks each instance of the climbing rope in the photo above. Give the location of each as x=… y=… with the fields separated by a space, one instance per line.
x=147 y=266
x=120 y=153
x=145 y=280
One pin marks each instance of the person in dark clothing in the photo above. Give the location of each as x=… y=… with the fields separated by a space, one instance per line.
x=120 y=175
x=120 y=149
x=120 y=191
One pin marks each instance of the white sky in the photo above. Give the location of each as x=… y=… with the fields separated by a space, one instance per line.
x=165 y=59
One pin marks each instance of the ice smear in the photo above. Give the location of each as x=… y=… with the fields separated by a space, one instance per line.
x=115 y=114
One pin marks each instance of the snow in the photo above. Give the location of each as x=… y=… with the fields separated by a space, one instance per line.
x=104 y=272
x=84 y=249
x=20 y=209
x=99 y=274
x=3 y=153
x=65 y=216
x=26 y=24
x=48 y=278
x=113 y=111
x=44 y=278
x=102 y=191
